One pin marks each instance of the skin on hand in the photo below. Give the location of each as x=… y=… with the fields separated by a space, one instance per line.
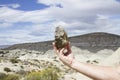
x=66 y=59
x=93 y=71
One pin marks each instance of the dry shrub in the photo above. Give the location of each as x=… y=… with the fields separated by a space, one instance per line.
x=46 y=74
x=12 y=77
x=7 y=69
x=4 y=76
x=14 y=60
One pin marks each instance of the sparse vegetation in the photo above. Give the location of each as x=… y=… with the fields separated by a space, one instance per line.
x=14 y=60
x=88 y=61
x=21 y=72
x=7 y=69
x=2 y=76
x=12 y=77
x=46 y=74
x=0 y=60
x=22 y=67
x=95 y=61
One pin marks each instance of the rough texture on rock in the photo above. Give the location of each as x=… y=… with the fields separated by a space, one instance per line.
x=61 y=39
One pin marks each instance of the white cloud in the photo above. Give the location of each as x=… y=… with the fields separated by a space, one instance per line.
x=5 y=25
x=13 y=16
x=11 y=5
x=102 y=16
x=76 y=16
x=15 y=5
x=73 y=10
x=10 y=15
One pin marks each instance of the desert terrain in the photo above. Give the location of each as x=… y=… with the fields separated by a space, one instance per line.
x=96 y=49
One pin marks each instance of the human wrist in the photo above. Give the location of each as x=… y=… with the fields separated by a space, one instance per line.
x=72 y=62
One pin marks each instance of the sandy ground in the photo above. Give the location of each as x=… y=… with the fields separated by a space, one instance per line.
x=35 y=60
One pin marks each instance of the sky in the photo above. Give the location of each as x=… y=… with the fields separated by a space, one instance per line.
x=23 y=21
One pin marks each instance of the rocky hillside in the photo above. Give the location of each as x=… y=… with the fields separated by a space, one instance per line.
x=91 y=41
x=96 y=41
x=4 y=46
x=38 y=46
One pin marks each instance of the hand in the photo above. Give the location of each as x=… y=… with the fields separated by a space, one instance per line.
x=66 y=59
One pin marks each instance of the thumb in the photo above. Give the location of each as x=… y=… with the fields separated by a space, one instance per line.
x=61 y=51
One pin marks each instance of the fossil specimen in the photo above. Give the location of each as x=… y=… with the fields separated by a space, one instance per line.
x=61 y=39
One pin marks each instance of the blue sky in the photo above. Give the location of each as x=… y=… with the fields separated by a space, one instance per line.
x=25 y=4
x=24 y=21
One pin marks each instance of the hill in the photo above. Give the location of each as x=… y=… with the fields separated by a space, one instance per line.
x=4 y=46
x=96 y=41
x=92 y=41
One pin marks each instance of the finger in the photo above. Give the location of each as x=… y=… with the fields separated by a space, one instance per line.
x=61 y=55
x=62 y=51
x=68 y=48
